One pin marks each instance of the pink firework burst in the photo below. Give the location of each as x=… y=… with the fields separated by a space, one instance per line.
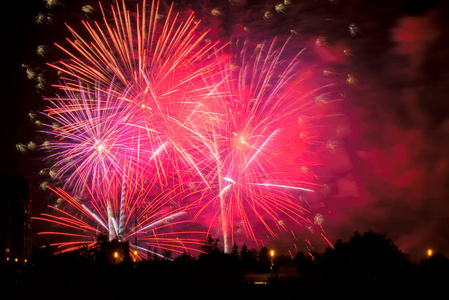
x=260 y=146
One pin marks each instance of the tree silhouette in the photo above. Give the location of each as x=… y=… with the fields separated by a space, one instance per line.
x=235 y=249
x=211 y=246
x=264 y=260
x=367 y=263
x=248 y=259
x=433 y=275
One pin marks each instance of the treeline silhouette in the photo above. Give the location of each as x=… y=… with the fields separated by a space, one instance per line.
x=368 y=266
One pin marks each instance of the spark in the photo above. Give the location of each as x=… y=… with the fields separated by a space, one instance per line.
x=280 y=8
x=353 y=29
x=229 y=179
x=51 y=3
x=88 y=9
x=42 y=50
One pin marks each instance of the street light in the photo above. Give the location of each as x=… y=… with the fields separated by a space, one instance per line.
x=272 y=256
x=116 y=257
x=429 y=252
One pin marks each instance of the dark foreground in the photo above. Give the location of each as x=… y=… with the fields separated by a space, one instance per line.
x=366 y=267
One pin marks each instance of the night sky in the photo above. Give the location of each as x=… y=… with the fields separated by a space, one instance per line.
x=390 y=171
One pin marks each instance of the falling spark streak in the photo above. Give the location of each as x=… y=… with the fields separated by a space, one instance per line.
x=327 y=240
x=283 y=186
x=228 y=179
x=158 y=150
x=94 y=216
x=258 y=150
x=166 y=219
x=224 y=190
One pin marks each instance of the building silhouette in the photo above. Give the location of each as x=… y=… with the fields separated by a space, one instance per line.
x=15 y=218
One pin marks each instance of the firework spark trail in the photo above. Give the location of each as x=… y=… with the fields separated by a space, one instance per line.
x=83 y=222
x=132 y=50
x=256 y=107
x=160 y=62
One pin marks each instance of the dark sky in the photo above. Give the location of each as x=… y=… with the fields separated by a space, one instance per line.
x=397 y=175
x=390 y=171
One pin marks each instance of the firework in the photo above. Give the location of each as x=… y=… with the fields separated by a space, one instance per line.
x=145 y=220
x=257 y=167
x=161 y=64
x=88 y=139
x=96 y=153
x=124 y=122
x=142 y=49
x=155 y=120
